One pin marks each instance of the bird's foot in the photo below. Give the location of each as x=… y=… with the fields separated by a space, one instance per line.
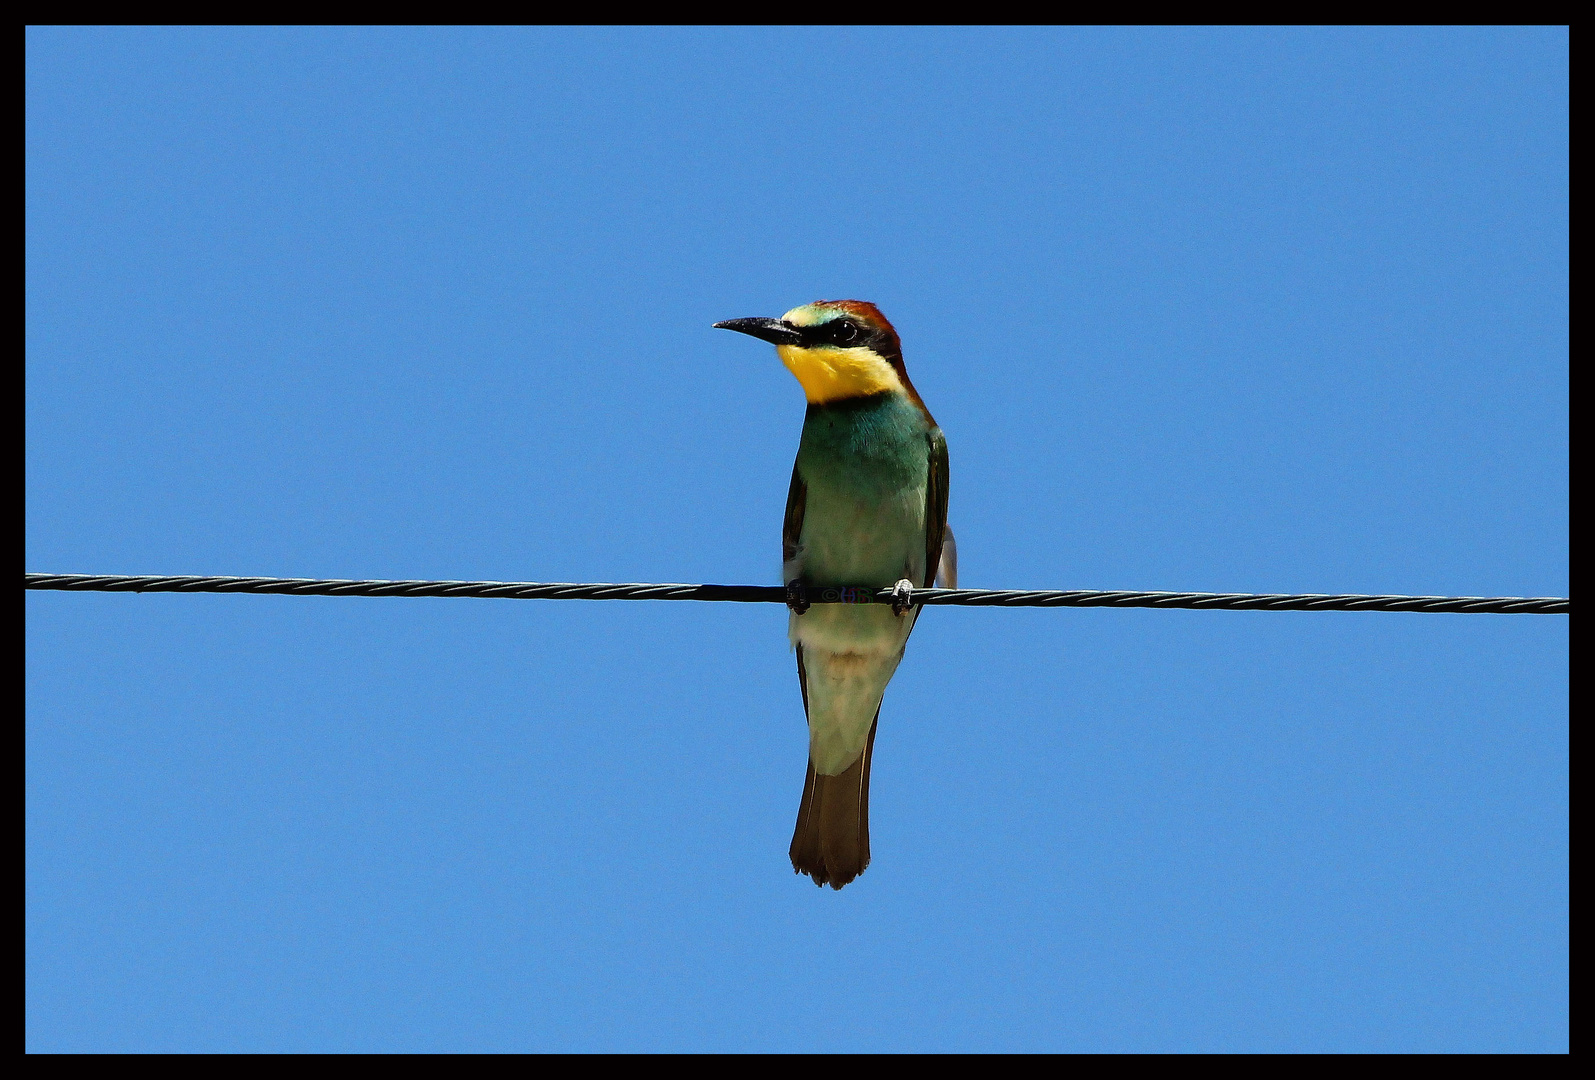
x=902 y=597
x=797 y=597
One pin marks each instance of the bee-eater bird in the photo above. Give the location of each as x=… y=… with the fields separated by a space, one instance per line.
x=867 y=506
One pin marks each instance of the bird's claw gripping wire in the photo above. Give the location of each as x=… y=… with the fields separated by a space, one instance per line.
x=797 y=597
x=902 y=597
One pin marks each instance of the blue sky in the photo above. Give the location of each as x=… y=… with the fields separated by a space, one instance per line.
x=1245 y=310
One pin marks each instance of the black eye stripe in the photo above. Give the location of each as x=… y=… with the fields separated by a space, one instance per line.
x=844 y=332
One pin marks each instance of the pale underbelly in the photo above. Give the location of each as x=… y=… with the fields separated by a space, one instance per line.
x=850 y=651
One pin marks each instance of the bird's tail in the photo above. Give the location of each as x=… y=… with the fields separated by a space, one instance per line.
x=831 y=841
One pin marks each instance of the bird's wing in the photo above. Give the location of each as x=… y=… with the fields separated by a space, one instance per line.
x=797 y=500
x=935 y=507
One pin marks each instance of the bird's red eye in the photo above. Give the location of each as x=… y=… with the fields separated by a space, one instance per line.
x=844 y=331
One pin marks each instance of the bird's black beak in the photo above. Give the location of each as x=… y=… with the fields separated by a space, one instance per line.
x=772 y=330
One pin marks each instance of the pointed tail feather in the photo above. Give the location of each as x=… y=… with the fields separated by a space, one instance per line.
x=831 y=841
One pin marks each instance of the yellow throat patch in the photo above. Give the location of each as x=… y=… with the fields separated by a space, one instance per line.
x=829 y=373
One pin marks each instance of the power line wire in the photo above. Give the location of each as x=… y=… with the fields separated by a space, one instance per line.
x=773 y=594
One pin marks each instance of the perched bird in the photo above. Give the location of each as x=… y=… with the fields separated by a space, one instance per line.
x=867 y=506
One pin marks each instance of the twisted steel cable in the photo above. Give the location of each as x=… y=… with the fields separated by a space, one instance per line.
x=772 y=594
